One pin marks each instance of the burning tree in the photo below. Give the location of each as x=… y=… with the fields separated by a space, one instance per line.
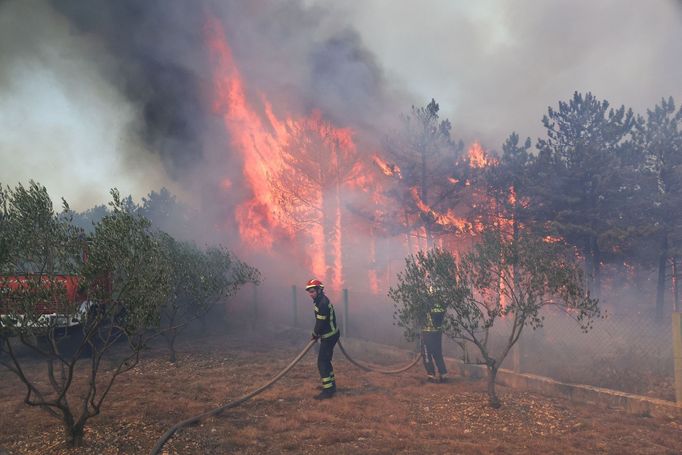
x=319 y=160
x=500 y=278
x=62 y=301
x=508 y=183
x=425 y=154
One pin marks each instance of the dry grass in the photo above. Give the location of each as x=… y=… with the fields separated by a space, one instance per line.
x=372 y=413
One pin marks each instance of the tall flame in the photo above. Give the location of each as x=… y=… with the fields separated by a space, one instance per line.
x=263 y=142
x=443 y=219
x=387 y=168
x=297 y=168
x=477 y=156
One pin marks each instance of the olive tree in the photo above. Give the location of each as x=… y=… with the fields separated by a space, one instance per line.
x=121 y=276
x=199 y=279
x=501 y=278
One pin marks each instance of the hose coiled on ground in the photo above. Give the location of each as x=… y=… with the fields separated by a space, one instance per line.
x=192 y=420
x=378 y=369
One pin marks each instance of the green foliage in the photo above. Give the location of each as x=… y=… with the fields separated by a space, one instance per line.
x=425 y=153
x=123 y=282
x=138 y=274
x=507 y=277
x=658 y=160
x=511 y=278
x=579 y=173
x=198 y=280
x=510 y=176
x=88 y=219
x=37 y=248
x=166 y=213
x=429 y=278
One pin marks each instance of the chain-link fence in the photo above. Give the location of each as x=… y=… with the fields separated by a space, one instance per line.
x=629 y=350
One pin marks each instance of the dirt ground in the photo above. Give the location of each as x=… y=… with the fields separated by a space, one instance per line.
x=371 y=414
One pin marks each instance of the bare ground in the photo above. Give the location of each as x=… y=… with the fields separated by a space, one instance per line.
x=371 y=414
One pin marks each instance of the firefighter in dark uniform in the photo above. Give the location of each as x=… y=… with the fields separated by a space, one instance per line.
x=328 y=333
x=431 y=344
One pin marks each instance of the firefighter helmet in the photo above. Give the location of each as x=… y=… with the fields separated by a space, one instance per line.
x=314 y=283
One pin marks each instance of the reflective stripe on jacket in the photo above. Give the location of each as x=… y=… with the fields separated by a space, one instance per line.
x=325 y=317
x=434 y=319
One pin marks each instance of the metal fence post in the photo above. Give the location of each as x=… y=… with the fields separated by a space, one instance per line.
x=677 y=354
x=345 y=312
x=293 y=299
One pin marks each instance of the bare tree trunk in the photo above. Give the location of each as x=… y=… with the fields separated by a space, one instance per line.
x=589 y=266
x=329 y=232
x=676 y=294
x=596 y=261
x=660 y=288
x=493 y=399
x=74 y=432
x=172 y=334
x=409 y=233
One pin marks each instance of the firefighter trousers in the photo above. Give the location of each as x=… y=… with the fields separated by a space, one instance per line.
x=432 y=352
x=324 y=361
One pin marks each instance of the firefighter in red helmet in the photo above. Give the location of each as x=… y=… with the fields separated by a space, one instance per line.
x=327 y=332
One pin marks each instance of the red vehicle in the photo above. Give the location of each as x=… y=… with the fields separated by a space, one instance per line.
x=56 y=301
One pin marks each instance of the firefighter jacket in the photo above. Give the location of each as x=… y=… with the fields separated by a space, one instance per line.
x=325 y=318
x=434 y=319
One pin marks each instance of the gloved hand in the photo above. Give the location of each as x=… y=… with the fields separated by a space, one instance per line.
x=314 y=336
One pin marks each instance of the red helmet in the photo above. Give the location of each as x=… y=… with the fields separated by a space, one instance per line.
x=314 y=283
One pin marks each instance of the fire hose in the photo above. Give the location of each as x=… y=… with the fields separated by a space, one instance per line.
x=377 y=369
x=192 y=420
x=166 y=436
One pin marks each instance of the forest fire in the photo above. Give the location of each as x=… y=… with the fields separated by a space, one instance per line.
x=387 y=168
x=295 y=169
x=303 y=173
x=444 y=219
x=477 y=156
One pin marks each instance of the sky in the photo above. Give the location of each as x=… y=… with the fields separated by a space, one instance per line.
x=73 y=118
x=495 y=66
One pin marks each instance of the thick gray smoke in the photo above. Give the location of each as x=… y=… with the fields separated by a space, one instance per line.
x=123 y=87
x=96 y=94
x=495 y=66
x=146 y=64
x=155 y=61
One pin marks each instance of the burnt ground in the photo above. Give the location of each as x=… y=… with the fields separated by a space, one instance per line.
x=371 y=414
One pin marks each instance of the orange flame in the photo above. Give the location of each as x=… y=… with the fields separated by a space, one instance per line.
x=477 y=156
x=387 y=168
x=512 y=196
x=265 y=141
x=444 y=219
x=262 y=142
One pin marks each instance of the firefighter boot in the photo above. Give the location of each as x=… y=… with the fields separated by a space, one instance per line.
x=325 y=394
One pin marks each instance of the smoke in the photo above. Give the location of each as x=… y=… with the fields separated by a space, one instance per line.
x=496 y=66
x=62 y=121
x=155 y=62
x=139 y=71
x=100 y=94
